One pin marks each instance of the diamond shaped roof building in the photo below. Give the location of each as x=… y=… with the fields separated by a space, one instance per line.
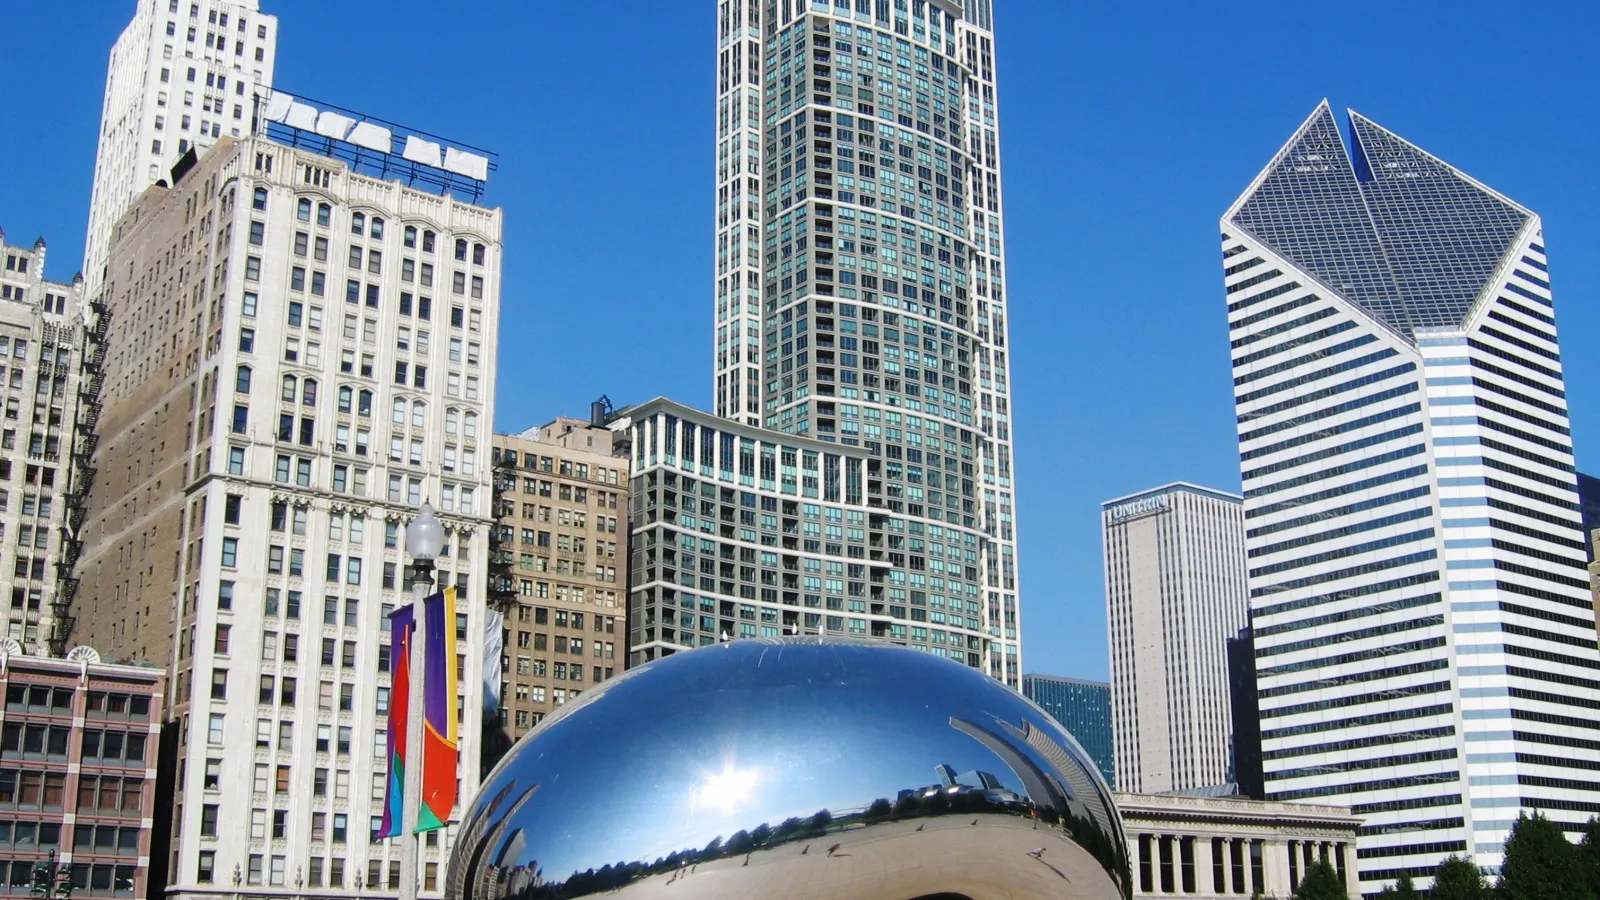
x=1382 y=223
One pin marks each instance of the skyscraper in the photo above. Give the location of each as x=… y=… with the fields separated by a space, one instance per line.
x=1083 y=708
x=1425 y=641
x=300 y=354
x=860 y=272
x=1175 y=594
x=562 y=502
x=182 y=74
x=42 y=348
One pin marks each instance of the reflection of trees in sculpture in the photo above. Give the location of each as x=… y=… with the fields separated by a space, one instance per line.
x=916 y=803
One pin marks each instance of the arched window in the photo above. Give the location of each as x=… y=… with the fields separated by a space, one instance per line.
x=290 y=383
x=469 y=424
x=419 y=414
x=427 y=241
x=377 y=227
x=364 y=408
x=324 y=214
x=241 y=380
x=309 y=395
x=345 y=395
x=451 y=417
x=358 y=224
x=477 y=254
x=399 y=415
x=258 y=200
x=411 y=237
x=461 y=249
x=303 y=210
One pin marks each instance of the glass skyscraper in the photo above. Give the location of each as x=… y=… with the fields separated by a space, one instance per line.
x=1083 y=708
x=860 y=290
x=1425 y=640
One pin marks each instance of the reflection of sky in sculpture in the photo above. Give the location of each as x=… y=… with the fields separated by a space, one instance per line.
x=706 y=743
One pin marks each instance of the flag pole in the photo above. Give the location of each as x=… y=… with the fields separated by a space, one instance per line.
x=424 y=540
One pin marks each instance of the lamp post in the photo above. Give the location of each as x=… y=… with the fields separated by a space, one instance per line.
x=424 y=540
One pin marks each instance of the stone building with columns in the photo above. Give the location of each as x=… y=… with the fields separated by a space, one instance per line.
x=1214 y=847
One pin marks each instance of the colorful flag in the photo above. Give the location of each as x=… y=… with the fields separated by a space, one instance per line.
x=402 y=626
x=441 y=748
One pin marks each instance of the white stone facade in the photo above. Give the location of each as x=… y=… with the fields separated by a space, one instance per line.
x=1216 y=847
x=41 y=352
x=182 y=74
x=1175 y=593
x=334 y=367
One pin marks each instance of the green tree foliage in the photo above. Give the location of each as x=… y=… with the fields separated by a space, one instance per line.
x=1321 y=882
x=1458 y=879
x=1541 y=864
x=1589 y=854
x=1402 y=889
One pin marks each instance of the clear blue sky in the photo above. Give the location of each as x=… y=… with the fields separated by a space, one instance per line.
x=1124 y=136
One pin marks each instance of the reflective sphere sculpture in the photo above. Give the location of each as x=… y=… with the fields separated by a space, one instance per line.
x=793 y=769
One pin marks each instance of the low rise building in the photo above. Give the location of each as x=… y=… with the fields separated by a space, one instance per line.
x=1215 y=847
x=79 y=742
x=559 y=565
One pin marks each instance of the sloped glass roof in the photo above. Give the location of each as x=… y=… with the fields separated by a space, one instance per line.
x=1392 y=229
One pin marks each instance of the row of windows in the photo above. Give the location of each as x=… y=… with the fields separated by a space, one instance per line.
x=1357 y=765
x=1297 y=362
x=1327 y=412
x=1525 y=381
x=1301 y=341
x=1382 y=784
x=1318 y=375
x=1335 y=471
x=1281 y=327
x=1339 y=512
x=1337 y=450
x=1335 y=681
x=1377 y=740
x=1347 y=636
x=1515 y=358
x=1347 y=552
x=1247 y=321
x=1300 y=399
x=1385 y=696
x=1380 y=652
x=1341 y=574
x=1365 y=590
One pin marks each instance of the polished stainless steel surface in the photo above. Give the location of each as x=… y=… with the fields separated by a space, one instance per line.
x=792 y=769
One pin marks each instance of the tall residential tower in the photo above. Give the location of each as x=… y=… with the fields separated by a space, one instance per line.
x=1175 y=593
x=860 y=277
x=182 y=74
x=1425 y=637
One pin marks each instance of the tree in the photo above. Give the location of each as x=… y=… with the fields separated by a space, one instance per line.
x=878 y=810
x=1402 y=889
x=1589 y=853
x=1321 y=882
x=1541 y=864
x=1458 y=879
x=821 y=820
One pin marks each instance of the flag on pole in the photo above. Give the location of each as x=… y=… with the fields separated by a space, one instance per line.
x=441 y=749
x=402 y=626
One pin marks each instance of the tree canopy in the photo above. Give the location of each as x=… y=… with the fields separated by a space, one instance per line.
x=1321 y=882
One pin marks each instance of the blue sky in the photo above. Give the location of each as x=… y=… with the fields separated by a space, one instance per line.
x=1125 y=135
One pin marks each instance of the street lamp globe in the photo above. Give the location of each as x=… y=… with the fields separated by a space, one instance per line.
x=425 y=535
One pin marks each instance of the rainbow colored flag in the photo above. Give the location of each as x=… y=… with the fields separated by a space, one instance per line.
x=441 y=750
x=402 y=625
x=441 y=729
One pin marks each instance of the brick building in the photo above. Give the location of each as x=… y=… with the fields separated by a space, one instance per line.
x=78 y=748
